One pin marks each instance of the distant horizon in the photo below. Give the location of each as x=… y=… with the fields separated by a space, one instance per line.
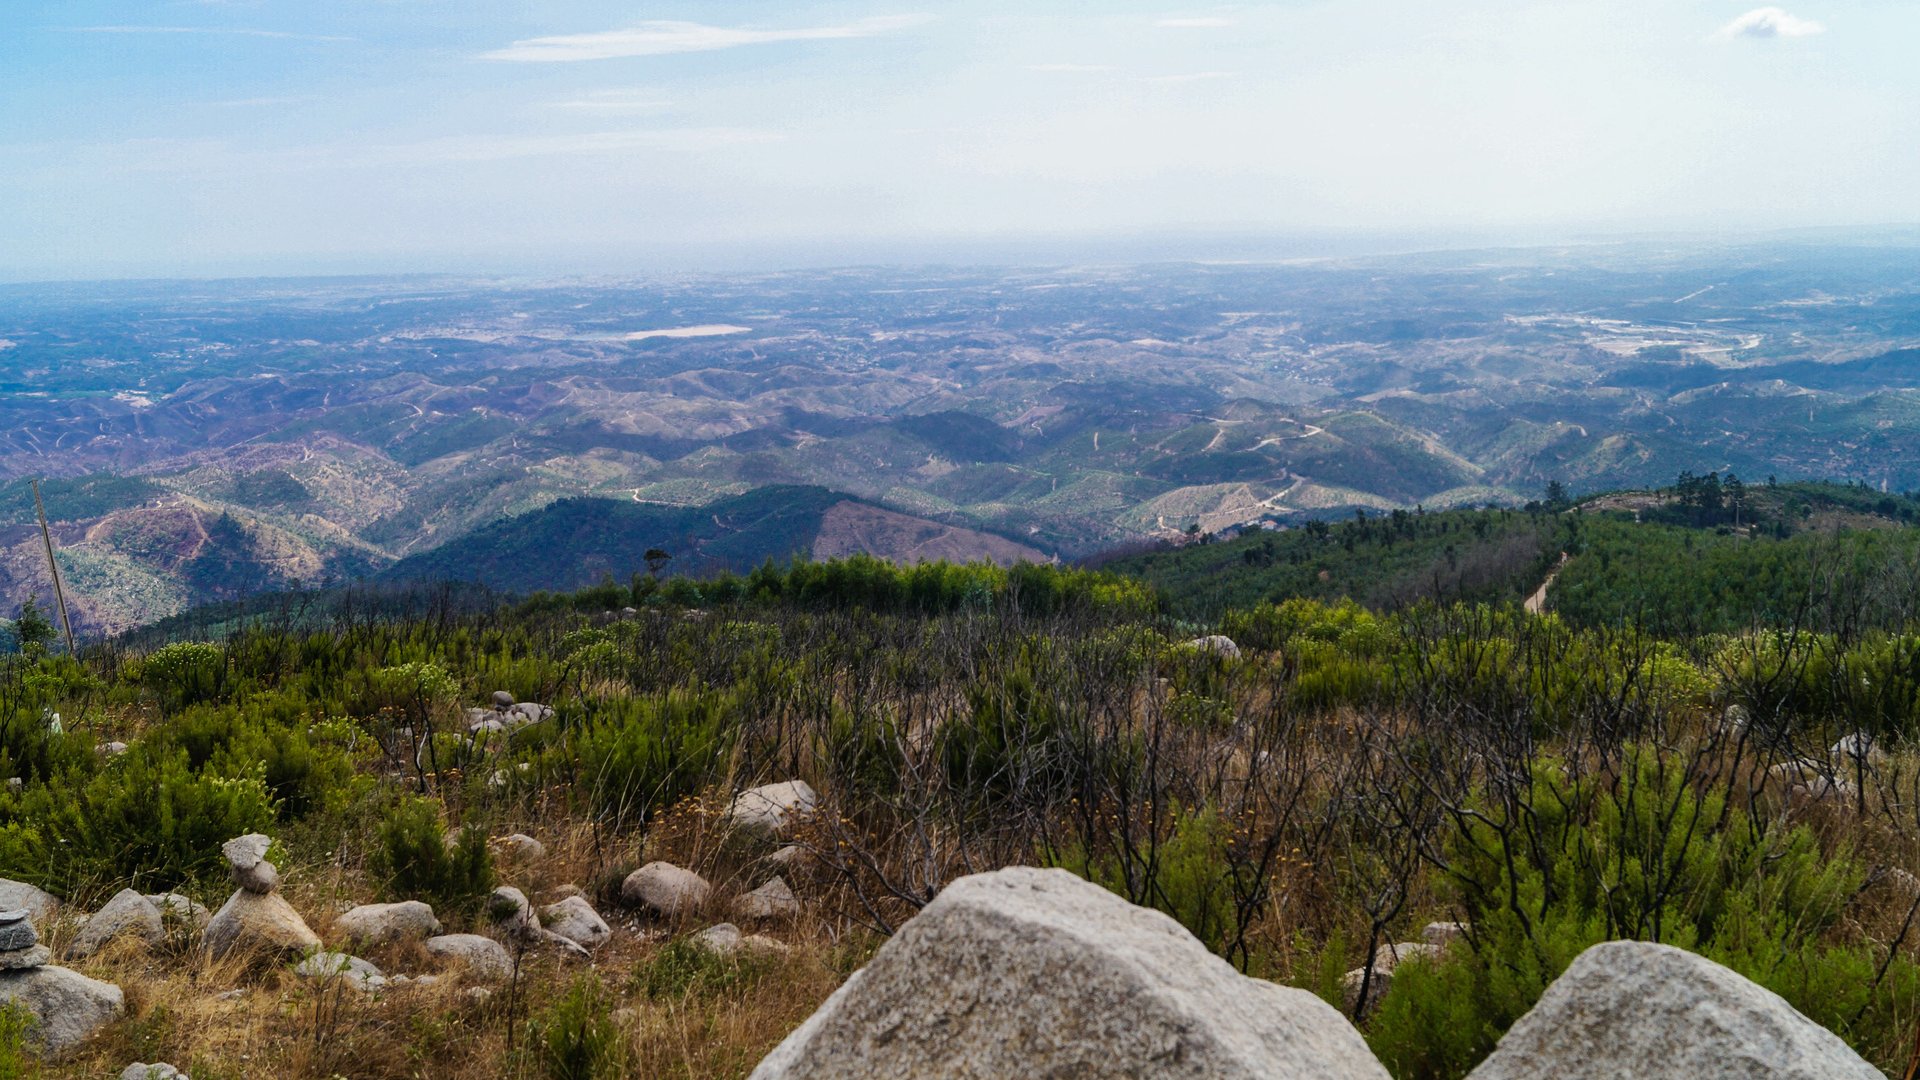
x=1138 y=249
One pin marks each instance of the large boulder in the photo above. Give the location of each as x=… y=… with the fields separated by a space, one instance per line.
x=772 y=809
x=1028 y=972
x=259 y=922
x=575 y=920
x=380 y=924
x=1634 y=1008
x=127 y=913
x=40 y=904
x=665 y=889
x=481 y=957
x=66 y=1006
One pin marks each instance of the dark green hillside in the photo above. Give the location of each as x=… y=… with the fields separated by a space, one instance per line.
x=575 y=542
x=75 y=499
x=1387 y=561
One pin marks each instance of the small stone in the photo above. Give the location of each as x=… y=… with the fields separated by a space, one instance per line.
x=127 y=913
x=230 y=995
x=16 y=785
x=520 y=848
x=774 y=900
x=1442 y=934
x=791 y=857
x=478 y=994
x=575 y=920
x=25 y=959
x=1218 y=645
x=666 y=889
x=246 y=852
x=772 y=809
x=361 y=974
x=140 y=1070
x=381 y=924
x=502 y=699
x=260 y=879
x=16 y=930
x=1385 y=960
x=113 y=749
x=480 y=956
x=725 y=939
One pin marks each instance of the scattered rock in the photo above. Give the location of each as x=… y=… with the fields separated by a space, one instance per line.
x=726 y=940
x=259 y=922
x=774 y=900
x=114 y=748
x=246 y=852
x=360 y=974
x=480 y=956
x=1219 y=645
x=1028 y=972
x=575 y=920
x=39 y=904
x=791 y=857
x=231 y=995
x=1442 y=934
x=67 y=1006
x=525 y=713
x=502 y=700
x=127 y=913
x=160 y=1070
x=1634 y=1008
x=771 y=809
x=666 y=889
x=1857 y=751
x=514 y=915
x=1385 y=959
x=520 y=848
x=380 y=924
x=26 y=959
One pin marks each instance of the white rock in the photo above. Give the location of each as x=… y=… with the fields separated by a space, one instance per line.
x=1636 y=1009
x=1036 y=973
x=1857 y=751
x=245 y=852
x=67 y=1007
x=774 y=900
x=159 y=1070
x=379 y=924
x=574 y=919
x=481 y=957
x=360 y=974
x=1443 y=934
x=502 y=699
x=520 y=848
x=772 y=809
x=127 y=913
x=726 y=940
x=251 y=922
x=666 y=889
x=1218 y=644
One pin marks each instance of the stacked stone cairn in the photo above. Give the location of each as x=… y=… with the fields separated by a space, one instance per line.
x=257 y=918
x=66 y=1006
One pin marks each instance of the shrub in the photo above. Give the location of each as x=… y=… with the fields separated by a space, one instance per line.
x=17 y=1061
x=416 y=862
x=685 y=967
x=1185 y=874
x=642 y=754
x=185 y=673
x=576 y=1038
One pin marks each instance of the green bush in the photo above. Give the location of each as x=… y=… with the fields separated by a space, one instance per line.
x=17 y=1060
x=576 y=1038
x=1185 y=874
x=416 y=862
x=185 y=673
x=639 y=755
x=686 y=967
x=1652 y=855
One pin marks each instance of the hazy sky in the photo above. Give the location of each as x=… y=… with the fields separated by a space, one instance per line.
x=198 y=136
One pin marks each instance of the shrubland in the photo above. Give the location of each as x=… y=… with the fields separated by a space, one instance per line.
x=1344 y=776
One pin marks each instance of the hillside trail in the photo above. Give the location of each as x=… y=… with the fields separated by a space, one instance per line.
x=1537 y=603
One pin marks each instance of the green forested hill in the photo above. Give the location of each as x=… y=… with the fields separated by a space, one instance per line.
x=575 y=542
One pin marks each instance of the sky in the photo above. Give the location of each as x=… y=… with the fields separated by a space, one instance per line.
x=197 y=137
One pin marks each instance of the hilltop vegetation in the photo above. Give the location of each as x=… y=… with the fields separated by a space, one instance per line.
x=1344 y=776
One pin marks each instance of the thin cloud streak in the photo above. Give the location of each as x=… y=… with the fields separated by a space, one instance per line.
x=660 y=38
x=614 y=101
x=1197 y=22
x=1070 y=69
x=1190 y=77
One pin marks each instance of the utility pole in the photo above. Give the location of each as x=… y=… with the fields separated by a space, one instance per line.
x=59 y=597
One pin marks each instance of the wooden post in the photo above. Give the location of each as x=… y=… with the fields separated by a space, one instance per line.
x=59 y=596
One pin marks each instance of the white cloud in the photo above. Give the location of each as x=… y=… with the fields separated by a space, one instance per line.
x=222 y=31
x=658 y=38
x=1189 y=77
x=1070 y=69
x=615 y=101
x=1197 y=22
x=1769 y=22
